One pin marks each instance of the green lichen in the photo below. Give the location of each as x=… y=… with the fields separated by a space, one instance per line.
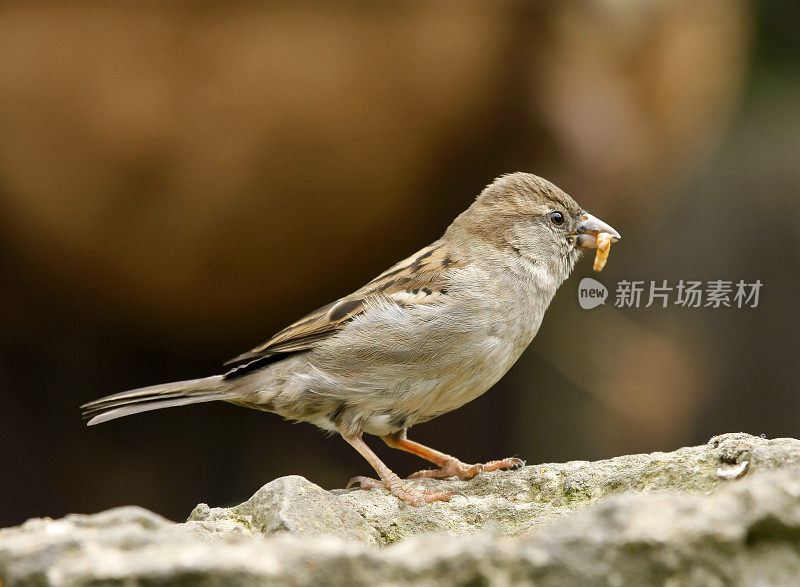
x=389 y=534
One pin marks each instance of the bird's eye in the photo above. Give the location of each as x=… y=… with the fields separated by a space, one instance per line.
x=556 y=218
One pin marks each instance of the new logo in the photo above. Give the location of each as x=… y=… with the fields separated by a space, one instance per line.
x=591 y=293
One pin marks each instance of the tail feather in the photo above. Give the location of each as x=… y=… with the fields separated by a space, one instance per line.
x=156 y=397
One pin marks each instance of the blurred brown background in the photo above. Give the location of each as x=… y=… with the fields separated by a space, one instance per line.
x=180 y=180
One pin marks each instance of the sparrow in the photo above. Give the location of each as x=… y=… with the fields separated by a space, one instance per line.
x=426 y=336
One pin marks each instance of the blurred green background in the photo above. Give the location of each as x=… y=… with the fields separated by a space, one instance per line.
x=180 y=180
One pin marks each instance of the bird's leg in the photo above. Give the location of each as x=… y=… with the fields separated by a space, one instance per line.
x=390 y=480
x=448 y=466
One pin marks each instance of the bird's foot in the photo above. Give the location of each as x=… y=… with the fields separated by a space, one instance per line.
x=455 y=468
x=404 y=491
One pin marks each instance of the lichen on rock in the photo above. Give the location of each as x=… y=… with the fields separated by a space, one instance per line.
x=727 y=512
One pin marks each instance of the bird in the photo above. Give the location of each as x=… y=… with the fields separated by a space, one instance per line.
x=428 y=335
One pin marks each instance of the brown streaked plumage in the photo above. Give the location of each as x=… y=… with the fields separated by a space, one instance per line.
x=426 y=336
x=421 y=272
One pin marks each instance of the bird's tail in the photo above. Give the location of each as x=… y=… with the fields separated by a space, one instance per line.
x=167 y=395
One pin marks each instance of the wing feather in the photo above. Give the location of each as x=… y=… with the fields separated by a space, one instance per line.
x=418 y=279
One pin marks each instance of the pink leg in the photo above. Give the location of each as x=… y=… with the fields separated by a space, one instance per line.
x=390 y=480
x=448 y=466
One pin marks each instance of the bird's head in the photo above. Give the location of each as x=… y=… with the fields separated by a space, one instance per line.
x=528 y=216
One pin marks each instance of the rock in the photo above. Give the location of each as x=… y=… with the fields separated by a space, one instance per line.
x=693 y=516
x=290 y=504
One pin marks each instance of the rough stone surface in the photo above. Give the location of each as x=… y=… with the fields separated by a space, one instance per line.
x=724 y=513
x=288 y=505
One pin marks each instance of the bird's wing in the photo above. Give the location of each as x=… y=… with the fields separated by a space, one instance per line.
x=419 y=279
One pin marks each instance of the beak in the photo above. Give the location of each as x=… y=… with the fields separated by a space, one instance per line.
x=588 y=230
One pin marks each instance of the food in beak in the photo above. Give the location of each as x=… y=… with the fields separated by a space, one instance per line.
x=604 y=240
x=594 y=233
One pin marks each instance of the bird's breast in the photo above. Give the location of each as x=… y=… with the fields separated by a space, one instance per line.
x=504 y=328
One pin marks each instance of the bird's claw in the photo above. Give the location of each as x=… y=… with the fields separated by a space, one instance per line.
x=416 y=497
x=365 y=483
x=455 y=468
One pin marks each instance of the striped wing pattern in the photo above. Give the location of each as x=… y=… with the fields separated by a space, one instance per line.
x=417 y=279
